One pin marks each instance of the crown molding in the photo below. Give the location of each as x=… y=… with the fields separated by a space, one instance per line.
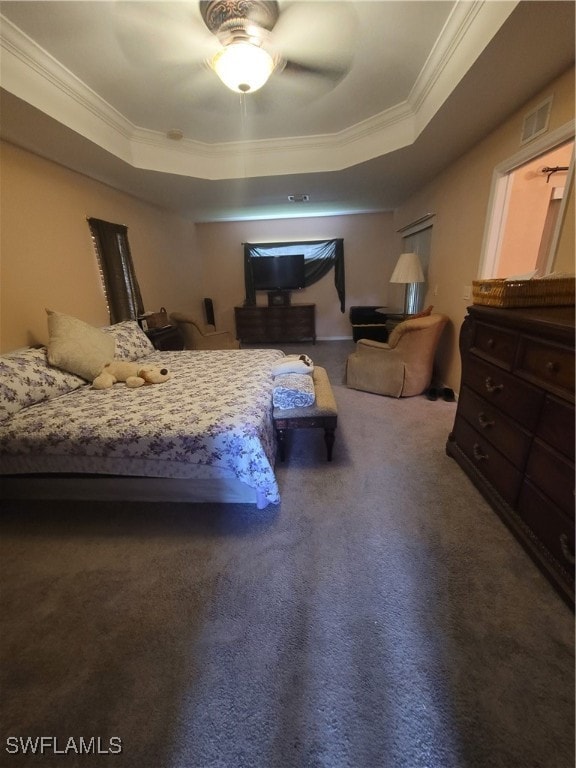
x=34 y=76
x=30 y=73
x=467 y=31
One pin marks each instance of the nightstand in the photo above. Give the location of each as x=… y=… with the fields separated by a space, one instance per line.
x=166 y=339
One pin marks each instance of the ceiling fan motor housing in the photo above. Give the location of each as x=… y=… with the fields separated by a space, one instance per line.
x=222 y=15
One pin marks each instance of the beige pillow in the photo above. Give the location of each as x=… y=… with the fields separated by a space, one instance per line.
x=78 y=347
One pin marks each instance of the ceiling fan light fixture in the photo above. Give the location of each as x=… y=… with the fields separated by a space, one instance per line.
x=243 y=67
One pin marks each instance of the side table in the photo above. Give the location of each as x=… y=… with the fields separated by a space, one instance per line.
x=166 y=338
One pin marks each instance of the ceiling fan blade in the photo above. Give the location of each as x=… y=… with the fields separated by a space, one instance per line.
x=333 y=72
x=285 y=92
x=150 y=34
x=318 y=35
x=207 y=94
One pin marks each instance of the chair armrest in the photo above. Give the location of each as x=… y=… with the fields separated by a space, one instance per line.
x=216 y=334
x=369 y=344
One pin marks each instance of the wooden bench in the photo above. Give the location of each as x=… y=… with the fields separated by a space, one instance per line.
x=322 y=414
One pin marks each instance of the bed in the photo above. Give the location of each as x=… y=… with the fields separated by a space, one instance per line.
x=205 y=434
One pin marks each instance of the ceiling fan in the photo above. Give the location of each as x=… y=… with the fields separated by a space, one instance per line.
x=246 y=59
x=249 y=53
x=306 y=46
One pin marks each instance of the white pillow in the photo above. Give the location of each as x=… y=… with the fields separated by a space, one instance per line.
x=131 y=341
x=77 y=347
x=293 y=364
x=27 y=379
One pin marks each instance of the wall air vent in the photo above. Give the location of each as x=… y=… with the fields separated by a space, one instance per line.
x=536 y=122
x=299 y=198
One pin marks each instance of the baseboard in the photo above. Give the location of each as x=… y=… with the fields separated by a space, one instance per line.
x=333 y=338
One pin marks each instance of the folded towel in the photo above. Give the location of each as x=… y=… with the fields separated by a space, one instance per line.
x=293 y=364
x=293 y=390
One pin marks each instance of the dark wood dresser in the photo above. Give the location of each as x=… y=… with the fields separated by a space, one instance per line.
x=514 y=428
x=270 y=325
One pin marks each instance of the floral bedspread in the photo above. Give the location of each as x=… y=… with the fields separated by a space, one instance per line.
x=215 y=410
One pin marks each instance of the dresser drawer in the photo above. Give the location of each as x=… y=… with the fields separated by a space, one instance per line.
x=556 y=425
x=553 y=473
x=494 y=343
x=301 y=326
x=275 y=324
x=302 y=313
x=548 y=365
x=505 y=391
x=500 y=472
x=275 y=327
x=504 y=434
x=549 y=525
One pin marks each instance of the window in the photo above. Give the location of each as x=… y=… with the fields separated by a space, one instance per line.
x=117 y=270
x=417 y=238
x=320 y=256
x=418 y=242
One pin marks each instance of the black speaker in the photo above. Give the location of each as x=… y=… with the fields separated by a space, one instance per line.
x=209 y=312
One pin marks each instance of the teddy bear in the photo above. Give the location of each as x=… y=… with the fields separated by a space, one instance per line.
x=134 y=374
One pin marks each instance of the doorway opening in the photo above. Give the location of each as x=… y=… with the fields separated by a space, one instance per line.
x=526 y=208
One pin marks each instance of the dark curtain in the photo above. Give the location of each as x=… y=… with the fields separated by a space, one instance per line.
x=320 y=257
x=117 y=268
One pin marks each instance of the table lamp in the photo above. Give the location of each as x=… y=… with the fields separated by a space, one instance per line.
x=408 y=270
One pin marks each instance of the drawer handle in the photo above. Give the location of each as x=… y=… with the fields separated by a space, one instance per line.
x=566 y=548
x=490 y=343
x=484 y=421
x=491 y=386
x=552 y=367
x=478 y=453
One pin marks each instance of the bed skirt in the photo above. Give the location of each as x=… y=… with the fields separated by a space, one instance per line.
x=222 y=490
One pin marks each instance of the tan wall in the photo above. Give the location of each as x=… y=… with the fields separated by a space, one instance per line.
x=46 y=253
x=369 y=257
x=459 y=197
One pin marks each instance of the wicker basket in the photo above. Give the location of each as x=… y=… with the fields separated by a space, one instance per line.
x=553 y=292
x=156 y=319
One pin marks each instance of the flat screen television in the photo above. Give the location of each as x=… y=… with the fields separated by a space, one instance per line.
x=278 y=273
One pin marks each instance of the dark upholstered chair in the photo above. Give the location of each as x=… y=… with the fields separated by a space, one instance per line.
x=403 y=366
x=199 y=336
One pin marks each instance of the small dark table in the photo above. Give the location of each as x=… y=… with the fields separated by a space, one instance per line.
x=165 y=339
x=368 y=323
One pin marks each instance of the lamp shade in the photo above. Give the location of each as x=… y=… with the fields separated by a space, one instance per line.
x=243 y=67
x=408 y=269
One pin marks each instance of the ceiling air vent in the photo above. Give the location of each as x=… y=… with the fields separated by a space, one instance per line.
x=536 y=122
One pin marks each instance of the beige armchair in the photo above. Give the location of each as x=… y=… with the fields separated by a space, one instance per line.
x=403 y=366
x=199 y=336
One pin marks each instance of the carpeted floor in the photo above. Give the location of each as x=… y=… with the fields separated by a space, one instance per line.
x=380 y=617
